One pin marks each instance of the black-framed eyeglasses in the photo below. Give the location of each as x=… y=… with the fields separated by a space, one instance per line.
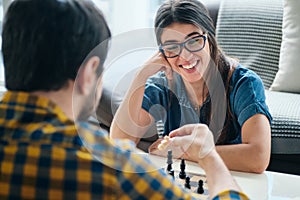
x=194 y=44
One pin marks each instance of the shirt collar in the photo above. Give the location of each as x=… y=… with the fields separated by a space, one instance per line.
x=33 y=103
x=34 y=119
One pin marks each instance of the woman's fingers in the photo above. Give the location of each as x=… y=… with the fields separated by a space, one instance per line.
x=155 y=144
x=157 y=62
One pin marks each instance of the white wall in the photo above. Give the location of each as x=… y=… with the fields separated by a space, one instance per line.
x=129 y=15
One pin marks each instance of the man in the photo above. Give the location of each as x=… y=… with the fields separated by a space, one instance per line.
x=47 y=151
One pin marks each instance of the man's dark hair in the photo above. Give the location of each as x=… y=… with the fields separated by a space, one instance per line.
x=44 y=42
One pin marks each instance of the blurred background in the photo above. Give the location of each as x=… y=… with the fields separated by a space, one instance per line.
x=122 y=16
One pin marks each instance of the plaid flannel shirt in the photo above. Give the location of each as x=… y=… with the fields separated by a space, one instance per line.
x=45 y=155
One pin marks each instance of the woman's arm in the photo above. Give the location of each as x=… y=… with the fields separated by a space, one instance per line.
x=131 y=121
x=251 y=111
x=253 y=155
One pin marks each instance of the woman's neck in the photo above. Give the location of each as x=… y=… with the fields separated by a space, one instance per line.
x=196 y=91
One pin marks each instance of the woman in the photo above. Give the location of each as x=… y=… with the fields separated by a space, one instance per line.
x=190 y=80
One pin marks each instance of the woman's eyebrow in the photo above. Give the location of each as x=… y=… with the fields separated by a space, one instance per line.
x=170 y=41
x=186 y=37
x=191 y=34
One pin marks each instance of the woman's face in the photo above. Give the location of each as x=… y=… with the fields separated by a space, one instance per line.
x=190 y=65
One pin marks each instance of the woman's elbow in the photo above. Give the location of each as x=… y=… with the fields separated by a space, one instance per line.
x=260 y=163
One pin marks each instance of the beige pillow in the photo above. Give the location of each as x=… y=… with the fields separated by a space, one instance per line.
x=288 y=76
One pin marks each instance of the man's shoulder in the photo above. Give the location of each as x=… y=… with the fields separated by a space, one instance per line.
x=92 y=128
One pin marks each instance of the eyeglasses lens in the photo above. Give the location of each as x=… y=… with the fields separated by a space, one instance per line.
x=194 y=44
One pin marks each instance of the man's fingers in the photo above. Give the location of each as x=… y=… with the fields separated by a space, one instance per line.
x=184 y=130
x=184 y=141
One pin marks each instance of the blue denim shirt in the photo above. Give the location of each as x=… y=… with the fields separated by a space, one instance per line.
x=247 y=98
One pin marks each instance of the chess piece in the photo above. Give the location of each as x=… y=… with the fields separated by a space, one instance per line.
x=182 y=173
x=200 y=189
x=187 y=182
x=160 y=128
x=171 y=172
x=169 y=160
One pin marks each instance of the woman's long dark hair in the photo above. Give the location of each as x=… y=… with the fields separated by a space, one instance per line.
x=194 y=12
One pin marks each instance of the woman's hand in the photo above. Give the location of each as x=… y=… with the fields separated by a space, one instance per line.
x=153 y=148
x=155 y=64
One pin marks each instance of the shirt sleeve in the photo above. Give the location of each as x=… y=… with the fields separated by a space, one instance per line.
x=249 y=98
x=156 y=96
x=231 y=195
x=152 y=185
x=140 y=178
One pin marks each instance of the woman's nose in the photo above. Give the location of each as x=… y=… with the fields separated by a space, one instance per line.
x=185 y=54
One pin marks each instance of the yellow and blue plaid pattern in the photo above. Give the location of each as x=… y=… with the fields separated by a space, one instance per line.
x=45 y=155
x=230 y=195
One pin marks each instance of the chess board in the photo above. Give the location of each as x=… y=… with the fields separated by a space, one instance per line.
x=194 y=178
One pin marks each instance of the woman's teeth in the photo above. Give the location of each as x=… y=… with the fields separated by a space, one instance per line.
x=189 y=66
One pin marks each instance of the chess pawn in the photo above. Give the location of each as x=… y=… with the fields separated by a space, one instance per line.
x=200 y=189
x=187 y=182
x=182 y=173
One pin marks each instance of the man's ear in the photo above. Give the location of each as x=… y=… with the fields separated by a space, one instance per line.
x=87 y=76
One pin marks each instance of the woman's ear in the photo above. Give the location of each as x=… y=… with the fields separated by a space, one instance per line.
x=87 y=75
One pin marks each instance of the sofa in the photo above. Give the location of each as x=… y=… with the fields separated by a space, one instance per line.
x=257 y=32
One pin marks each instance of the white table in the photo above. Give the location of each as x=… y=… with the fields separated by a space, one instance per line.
x=269 y=185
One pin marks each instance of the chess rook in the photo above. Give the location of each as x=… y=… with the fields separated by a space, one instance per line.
x=169 y=160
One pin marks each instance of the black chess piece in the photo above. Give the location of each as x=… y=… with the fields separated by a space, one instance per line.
x=182 y=173
x=200 y=189
x=169 y=160
x=171 y=172
x=187 y=182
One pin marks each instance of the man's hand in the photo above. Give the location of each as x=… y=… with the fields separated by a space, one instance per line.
x=162 y=145
x=192 y=141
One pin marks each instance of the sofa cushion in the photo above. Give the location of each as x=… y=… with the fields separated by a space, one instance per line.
x=287 y=77
x=285 y=109
x=252 y=33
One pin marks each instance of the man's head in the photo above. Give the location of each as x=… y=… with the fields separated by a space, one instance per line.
x=45 y=42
